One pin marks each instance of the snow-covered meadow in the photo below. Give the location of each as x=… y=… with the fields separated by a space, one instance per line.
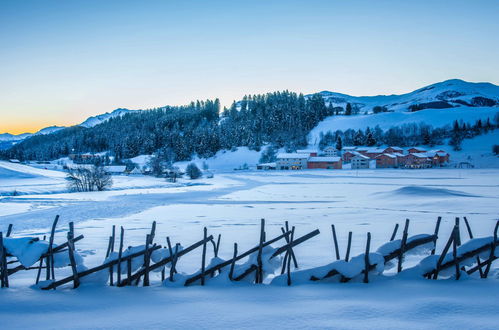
x=232 y=204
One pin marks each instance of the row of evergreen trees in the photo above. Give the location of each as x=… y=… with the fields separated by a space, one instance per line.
x=281 y=118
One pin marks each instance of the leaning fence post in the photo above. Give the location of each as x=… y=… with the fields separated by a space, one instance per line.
x=402 y=246
x=174 y=262
x=454 y=255
x=458 y=237
x=349 y=244
x=50 y=255
x=394 y=233
x=40 y=265
x=9 y=230
x=444 y=253
x=259 y=271
x=120 y=254
x=366 y=259
x=111 y=268
x=233 y=263
x=4 y=272
x=203 y=259
x=71 y=249
x=147 y=259
x=290 y=252
x=172 y=266
x=336 y=249
x=437 y=228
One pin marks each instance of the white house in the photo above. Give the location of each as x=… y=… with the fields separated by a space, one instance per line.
x=360 y=161
x=330 y=152
x=115 y=169
x=291 y=161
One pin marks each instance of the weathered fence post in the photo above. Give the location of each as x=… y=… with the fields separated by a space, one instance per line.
x=454 y=254
x=112 y=240
x=50 y=256
x=233 y=263
x=40 y=265
x=402 y=246
x=492 y=251
x=147 y=259
x=394 y=233
x=290 y=253
x=335 y=239
x=203 y=259
x=120 y=254
x=71 y=249
x=4 y=272
x=458 y=237
x=444 y=252
x=259 y=271
x=9 y=230
x=366 y=258
x=174 y=262
x=437 y=228
x=349 y=244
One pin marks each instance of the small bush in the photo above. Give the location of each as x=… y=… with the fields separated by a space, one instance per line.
x=192 y=171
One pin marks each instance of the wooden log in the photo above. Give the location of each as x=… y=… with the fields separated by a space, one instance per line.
x=50 y=257
x=349 y=244
x=335 y=239
x=394 y=254
x=99 y=268
x=71 y=249
x=259 y=272
x=394 y=233
x=129 y=269
x=233 y=263
x=120 y=254
x=470 y=234
x=289 y=253
x=163 y=262
x=402 y=246
x=295 y=243
x=437 y=228
x=366 y=259
x=289 y=259
x=248 y=271
x=228 y=262
x=216 y=245
x=9 y=230
x=444 y=252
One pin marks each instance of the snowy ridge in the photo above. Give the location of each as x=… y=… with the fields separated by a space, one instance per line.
x=455 y=92
x=99 y=119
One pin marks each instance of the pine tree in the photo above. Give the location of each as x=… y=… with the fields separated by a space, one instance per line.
x=348 y=111
x=339 y=143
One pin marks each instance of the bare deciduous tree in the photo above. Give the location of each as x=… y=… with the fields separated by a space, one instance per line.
x=88 y=178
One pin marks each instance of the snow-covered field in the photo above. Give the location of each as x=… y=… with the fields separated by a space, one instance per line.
x=232 y=204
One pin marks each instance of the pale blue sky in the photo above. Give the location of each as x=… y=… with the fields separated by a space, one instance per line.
x=62 y=61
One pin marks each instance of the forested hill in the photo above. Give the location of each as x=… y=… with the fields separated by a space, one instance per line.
x=281 y=118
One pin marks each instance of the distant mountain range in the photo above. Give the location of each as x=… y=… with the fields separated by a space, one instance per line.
x=447 y=94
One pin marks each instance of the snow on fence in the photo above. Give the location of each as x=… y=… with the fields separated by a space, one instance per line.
x=132 y=266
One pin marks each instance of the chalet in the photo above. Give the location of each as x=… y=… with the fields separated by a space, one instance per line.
x=392 y=150
x=418 y=160
x=348 y=155
x=291 y=161
x=415 y=150
x=401 y=158
x=135 y=171
x=325 y=162
x=266 y=166
x=16 y=161
x=373 y=152
x=330 y=152
x=438 y=157
x=386 y=160
x=360 y=161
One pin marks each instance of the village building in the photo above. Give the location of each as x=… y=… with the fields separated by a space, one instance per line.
x=386 y=160
x=418 y=160
x=373 y=152
x=392 y=150
x=135 y=171
x=325 y=162
x=330 y=152
x=438 y=157
x=360 y=161
x=348 y=155
x=292 y=161
x=415 y=150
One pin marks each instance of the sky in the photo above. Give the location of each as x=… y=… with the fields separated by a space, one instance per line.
x=63 y=61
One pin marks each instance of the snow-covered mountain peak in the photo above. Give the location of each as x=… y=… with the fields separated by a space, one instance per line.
x=95 y=120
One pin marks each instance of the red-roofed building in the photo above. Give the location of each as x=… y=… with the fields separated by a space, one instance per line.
x=386 y=160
